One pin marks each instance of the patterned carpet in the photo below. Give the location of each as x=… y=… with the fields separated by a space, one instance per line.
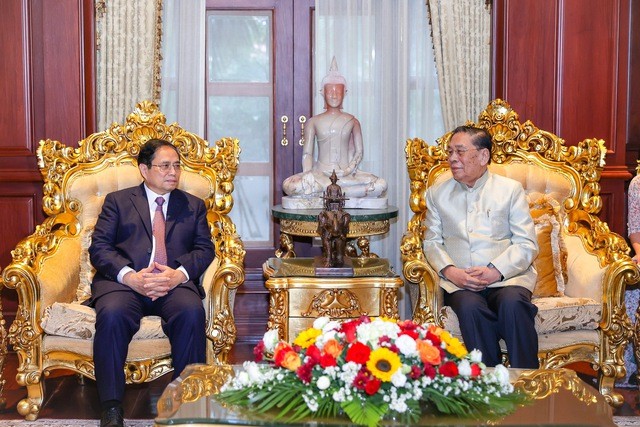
x=626 y=421
x=75 y=423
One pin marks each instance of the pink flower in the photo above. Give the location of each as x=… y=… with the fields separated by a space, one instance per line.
x=304 y=372
x=258 y=351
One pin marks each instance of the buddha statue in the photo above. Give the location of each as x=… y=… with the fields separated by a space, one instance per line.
x=339 y=148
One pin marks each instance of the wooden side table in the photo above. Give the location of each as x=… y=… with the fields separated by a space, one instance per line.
x=297 y=296
x=304 y=222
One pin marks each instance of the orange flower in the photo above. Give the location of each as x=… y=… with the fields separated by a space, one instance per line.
x=428 y=353
x=291 y=361
x=333 y=348
x=285 y=356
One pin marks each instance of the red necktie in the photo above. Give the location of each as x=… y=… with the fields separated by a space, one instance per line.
x=158 y=234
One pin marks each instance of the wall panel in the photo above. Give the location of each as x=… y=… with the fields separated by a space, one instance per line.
x=523 y=70
x=46 y=80
x=564 y=65
x=15 y=138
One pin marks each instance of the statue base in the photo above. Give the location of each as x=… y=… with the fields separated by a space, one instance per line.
x=313 y=202
x=321 y=270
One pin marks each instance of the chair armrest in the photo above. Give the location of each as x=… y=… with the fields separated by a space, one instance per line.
x=41 y=274
x=417 y=271
x=222 y=282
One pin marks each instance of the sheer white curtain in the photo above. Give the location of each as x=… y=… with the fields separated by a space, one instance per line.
x=383 y=49
x=462 y=44
x=183 y=53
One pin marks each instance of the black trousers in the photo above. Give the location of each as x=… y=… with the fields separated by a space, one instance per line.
x=118 y=316
x=498 y=313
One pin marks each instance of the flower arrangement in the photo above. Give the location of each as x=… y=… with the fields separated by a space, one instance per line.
x=369 y=369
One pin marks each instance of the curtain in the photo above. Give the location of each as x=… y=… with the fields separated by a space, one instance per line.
x=183 y=67
x=382 y=47
x=128 y=37
x=461 y=32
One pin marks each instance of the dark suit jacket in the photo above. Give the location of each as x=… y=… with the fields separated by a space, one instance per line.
x=123 y=236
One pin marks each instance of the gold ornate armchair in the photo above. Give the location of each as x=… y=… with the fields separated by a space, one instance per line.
x=51 y=271
x=583 y=268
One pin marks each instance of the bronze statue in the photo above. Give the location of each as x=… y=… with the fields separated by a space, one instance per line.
x=333 y=225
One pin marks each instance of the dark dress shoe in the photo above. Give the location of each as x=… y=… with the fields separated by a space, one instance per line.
x=112 y=417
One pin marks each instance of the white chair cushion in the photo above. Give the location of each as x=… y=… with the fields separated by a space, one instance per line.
x=79 y=321
x=555 y=314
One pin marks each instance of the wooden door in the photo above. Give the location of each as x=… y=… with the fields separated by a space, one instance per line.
x=259 y=80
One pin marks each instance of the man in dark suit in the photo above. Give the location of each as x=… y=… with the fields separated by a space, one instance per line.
x=148 y=265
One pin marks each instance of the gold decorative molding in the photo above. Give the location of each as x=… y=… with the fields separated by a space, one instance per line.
x=197 y=381
x=542 y=383
x=296 y=227
x=334 y=303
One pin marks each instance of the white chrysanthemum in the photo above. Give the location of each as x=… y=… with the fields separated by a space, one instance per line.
x=371 y=332
x=320 y=322
x=464 y=368
x=325 y=337
x=332 y=325
x=398 y=379
x=323 y=382
x=407 y=345
x=254 y=372
x=270 y=340
x=502 y=374
x=475 y=355
x=242 y=379
x=311 y=402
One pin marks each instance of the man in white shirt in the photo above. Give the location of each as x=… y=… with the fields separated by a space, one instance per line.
x=481 y=240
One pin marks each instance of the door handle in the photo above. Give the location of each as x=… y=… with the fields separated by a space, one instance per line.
x=302 y=120
x=284 y=141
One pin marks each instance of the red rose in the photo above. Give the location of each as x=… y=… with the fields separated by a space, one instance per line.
x=313 y=353
x=413 y=334
x=372 y=386
x=327 y=360
x=358 y=353
x=475 y=370
x=435 y=340
x=449 y=369
x=349 y=329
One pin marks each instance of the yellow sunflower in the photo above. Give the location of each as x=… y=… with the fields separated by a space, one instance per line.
x=307 y=337
x=383 y=363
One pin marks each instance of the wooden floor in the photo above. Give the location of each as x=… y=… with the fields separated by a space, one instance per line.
x=66 y=398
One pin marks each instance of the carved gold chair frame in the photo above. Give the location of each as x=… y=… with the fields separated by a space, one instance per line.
x=116 y=148
x=581 y=166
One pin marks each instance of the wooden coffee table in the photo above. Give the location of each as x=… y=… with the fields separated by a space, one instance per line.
x=560 y=398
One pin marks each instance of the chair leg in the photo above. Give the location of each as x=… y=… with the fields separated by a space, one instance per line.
x=30 y=406
x=606 y=385
x=81 y=380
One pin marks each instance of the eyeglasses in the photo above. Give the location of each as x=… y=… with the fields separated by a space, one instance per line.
x=165 y=167
x=460 y=152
